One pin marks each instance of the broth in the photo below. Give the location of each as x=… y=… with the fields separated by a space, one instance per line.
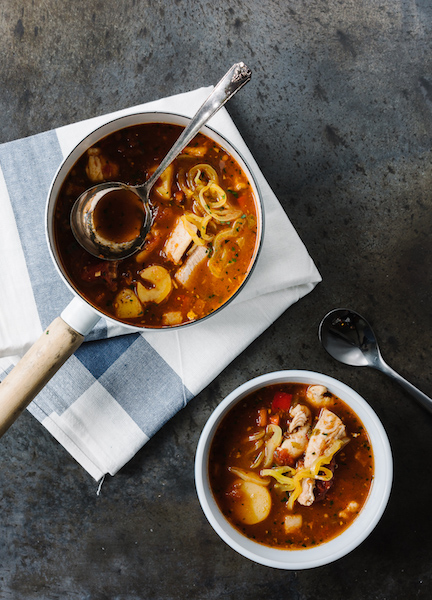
x=119 y=216
x=203 y=238
x=276 y=517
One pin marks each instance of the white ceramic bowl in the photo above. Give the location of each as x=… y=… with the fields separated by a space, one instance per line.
x=349 y=539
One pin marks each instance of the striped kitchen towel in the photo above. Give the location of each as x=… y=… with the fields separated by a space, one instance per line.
x=119 y=388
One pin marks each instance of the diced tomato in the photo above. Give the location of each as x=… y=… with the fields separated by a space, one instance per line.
x=262 y=417
x=179 y=197
x=281 y=402
x=242 y=200
x=275 y=419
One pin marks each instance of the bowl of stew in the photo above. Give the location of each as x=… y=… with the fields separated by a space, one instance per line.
x=207 y=223
x=293 y=469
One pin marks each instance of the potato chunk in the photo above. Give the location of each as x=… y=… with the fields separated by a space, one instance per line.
x=349 y=510
x=292 y=523
x=162 y=284
x=164 y=183
x=253 y=502
x=198 y=151
x=127 y=305
x=173 y=317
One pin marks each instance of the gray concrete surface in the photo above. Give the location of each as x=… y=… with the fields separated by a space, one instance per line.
x=338 y=116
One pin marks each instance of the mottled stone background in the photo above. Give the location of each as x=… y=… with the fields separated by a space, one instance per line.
x=338 y=116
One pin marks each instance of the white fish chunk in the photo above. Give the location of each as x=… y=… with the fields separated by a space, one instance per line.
x=178 y=242
x=99 y=168
x=301 y=415
x=298 y=434
x=295 y=444
x=329 y=428
x=196 y=257
x=316 y=395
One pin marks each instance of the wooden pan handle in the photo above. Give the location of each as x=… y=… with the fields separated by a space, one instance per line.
x=58 y=342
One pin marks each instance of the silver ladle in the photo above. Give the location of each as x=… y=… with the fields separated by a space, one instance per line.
x=349 y=338
x=82 y=216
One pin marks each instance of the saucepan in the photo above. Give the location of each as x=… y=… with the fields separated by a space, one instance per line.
x=66 y=333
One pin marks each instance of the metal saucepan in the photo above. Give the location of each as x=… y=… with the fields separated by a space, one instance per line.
x=66 y=333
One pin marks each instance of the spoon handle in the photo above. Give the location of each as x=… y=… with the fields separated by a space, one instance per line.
x=424 y=400
x=231 y=82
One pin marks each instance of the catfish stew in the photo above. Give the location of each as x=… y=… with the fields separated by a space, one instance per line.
x=203 y=237
x=291 y=466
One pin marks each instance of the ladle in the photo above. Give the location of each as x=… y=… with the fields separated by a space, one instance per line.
x=349 y=338
x=136 y=198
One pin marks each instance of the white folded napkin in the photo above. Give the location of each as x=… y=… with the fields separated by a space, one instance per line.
x=113 y=394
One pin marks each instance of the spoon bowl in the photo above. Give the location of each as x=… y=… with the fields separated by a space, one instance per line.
x=348 y=337
x=99 y=241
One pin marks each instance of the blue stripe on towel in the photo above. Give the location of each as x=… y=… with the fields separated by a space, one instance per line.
x=145 y=386
x=28 y=166
x=138 y=378
x=67 y=385
x=98 y=356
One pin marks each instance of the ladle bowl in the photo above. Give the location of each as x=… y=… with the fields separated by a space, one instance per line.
x=87 y=231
